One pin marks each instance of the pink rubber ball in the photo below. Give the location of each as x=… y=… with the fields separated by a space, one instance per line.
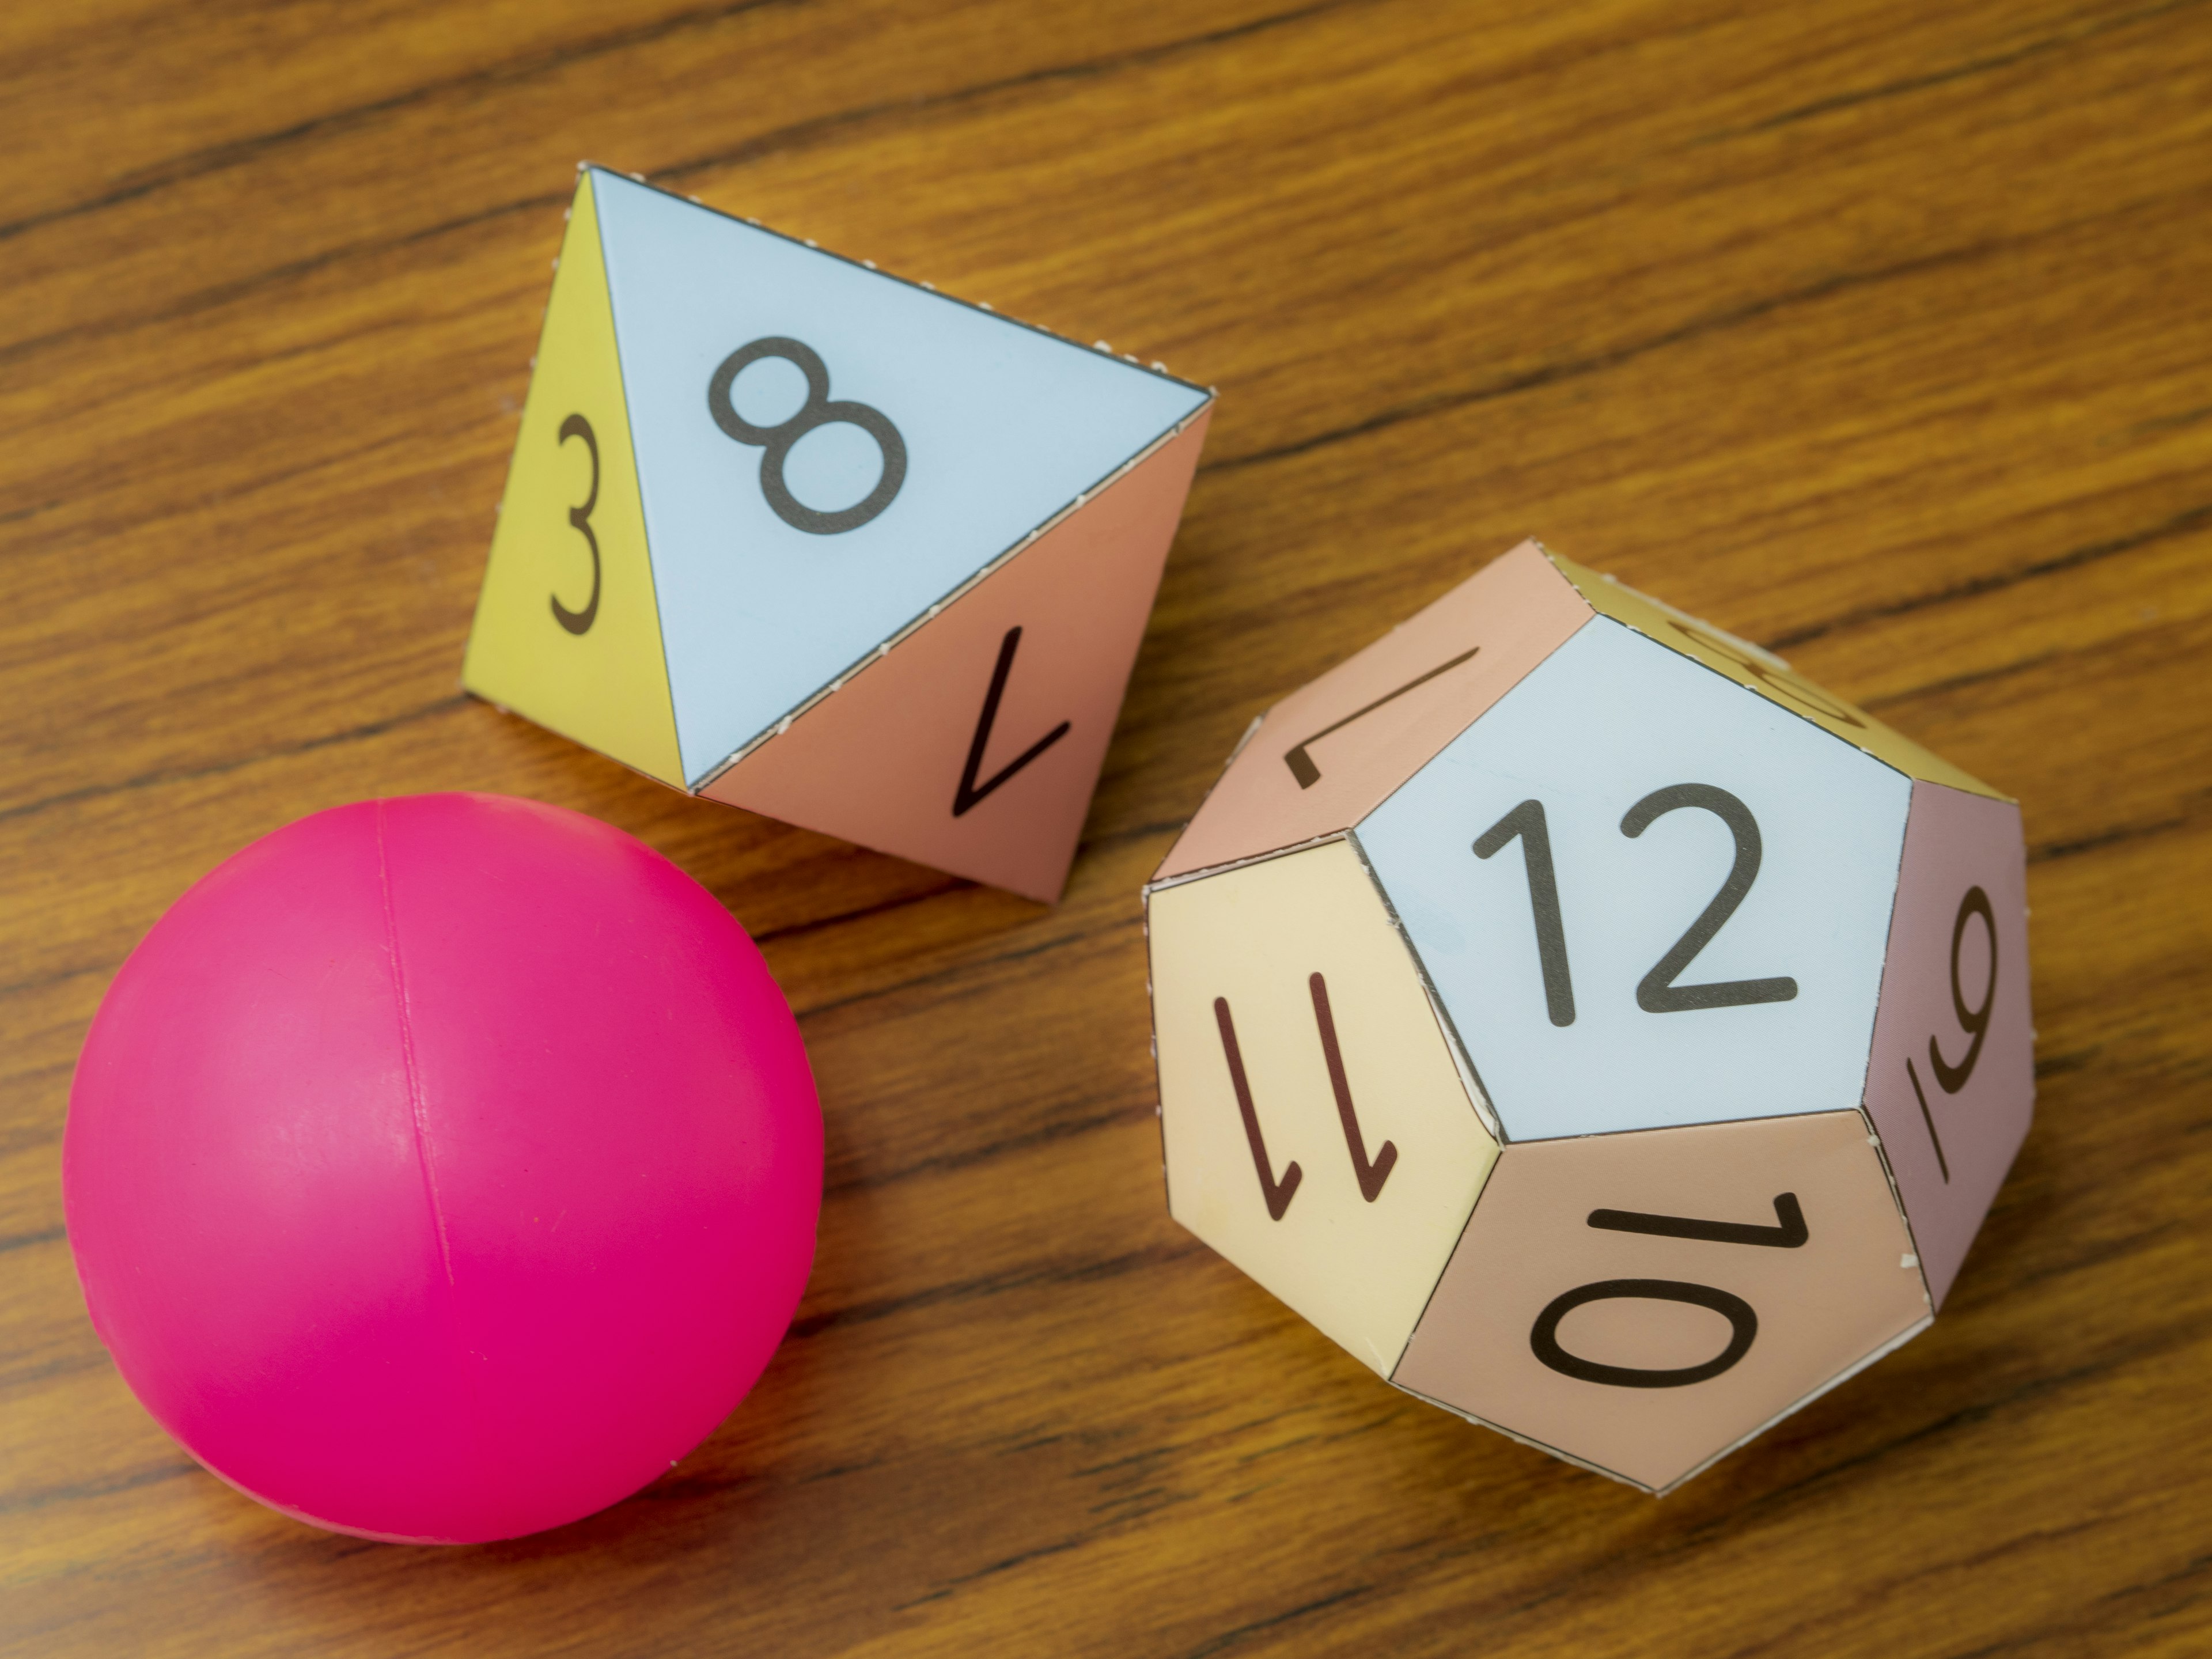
x=443 y=1168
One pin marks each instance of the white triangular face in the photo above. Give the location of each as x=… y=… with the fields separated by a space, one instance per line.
x=825 y=452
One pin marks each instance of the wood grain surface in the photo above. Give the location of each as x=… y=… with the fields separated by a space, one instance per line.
x=1879 y=332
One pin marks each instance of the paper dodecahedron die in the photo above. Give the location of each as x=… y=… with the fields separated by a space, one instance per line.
x=788 y=532
x=1589 y=1022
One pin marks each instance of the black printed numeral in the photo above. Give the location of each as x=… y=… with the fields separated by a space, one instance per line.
x=970 y=791
x=1657 y=993
x=579 y=518
x=818 y=410
x=1974 y=1021
x=1279 y=1190
x=1790 y=1232
x=1526 y=821
x=1301 y=763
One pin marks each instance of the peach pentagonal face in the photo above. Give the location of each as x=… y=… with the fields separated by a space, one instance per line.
x=1952 y=1082
x=1643 y=1301
x=1316 y=1129
x=1329 y=753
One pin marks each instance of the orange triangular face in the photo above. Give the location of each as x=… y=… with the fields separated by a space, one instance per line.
x=973 y=746
x=1330 y=752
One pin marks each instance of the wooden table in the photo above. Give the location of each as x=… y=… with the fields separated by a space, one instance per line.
x=1879 y=332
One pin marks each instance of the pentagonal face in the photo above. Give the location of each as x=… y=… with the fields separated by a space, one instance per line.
x=825 y=452
x=1952 y=1082
x=1646 y=898
x=1642 y=1301
x=1329 y=753
x=1762 y=671
x=1317 y=1132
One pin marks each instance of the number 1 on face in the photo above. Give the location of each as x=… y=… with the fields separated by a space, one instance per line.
x=1527 y=821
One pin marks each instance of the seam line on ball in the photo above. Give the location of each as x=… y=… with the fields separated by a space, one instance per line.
x=415 y=1106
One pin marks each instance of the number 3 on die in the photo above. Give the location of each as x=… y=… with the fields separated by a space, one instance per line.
x=579 y=520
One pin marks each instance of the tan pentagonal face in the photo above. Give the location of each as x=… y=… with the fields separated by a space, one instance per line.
x=1643 y=1301
x=1317 y=1131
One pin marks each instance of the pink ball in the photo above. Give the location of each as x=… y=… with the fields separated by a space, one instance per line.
x=443 y=1168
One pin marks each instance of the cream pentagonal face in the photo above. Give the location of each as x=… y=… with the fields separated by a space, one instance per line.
x=1317 y=1131
x=1643 y=1302
x=1647 y=897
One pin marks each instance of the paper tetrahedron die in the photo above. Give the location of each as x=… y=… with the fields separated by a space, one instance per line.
x=790 y=533
x=1591 y=1024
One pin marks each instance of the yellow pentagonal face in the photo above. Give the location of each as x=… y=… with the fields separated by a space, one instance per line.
x=1317 y=1130
x=566 y=631
x=1768 y=675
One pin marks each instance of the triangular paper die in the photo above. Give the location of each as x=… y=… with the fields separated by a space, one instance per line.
x=566 y=628
x=825 y=452
x=973 y=743
x=1330 y=752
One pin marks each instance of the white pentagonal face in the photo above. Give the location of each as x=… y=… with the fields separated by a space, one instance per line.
x=1646 y=896
x=1316 y=1130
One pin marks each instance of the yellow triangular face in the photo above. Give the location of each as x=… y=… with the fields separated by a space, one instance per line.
x=566 y=631
x=1761 y=671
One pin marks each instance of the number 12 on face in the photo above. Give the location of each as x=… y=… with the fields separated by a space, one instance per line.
x=1657 y=993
